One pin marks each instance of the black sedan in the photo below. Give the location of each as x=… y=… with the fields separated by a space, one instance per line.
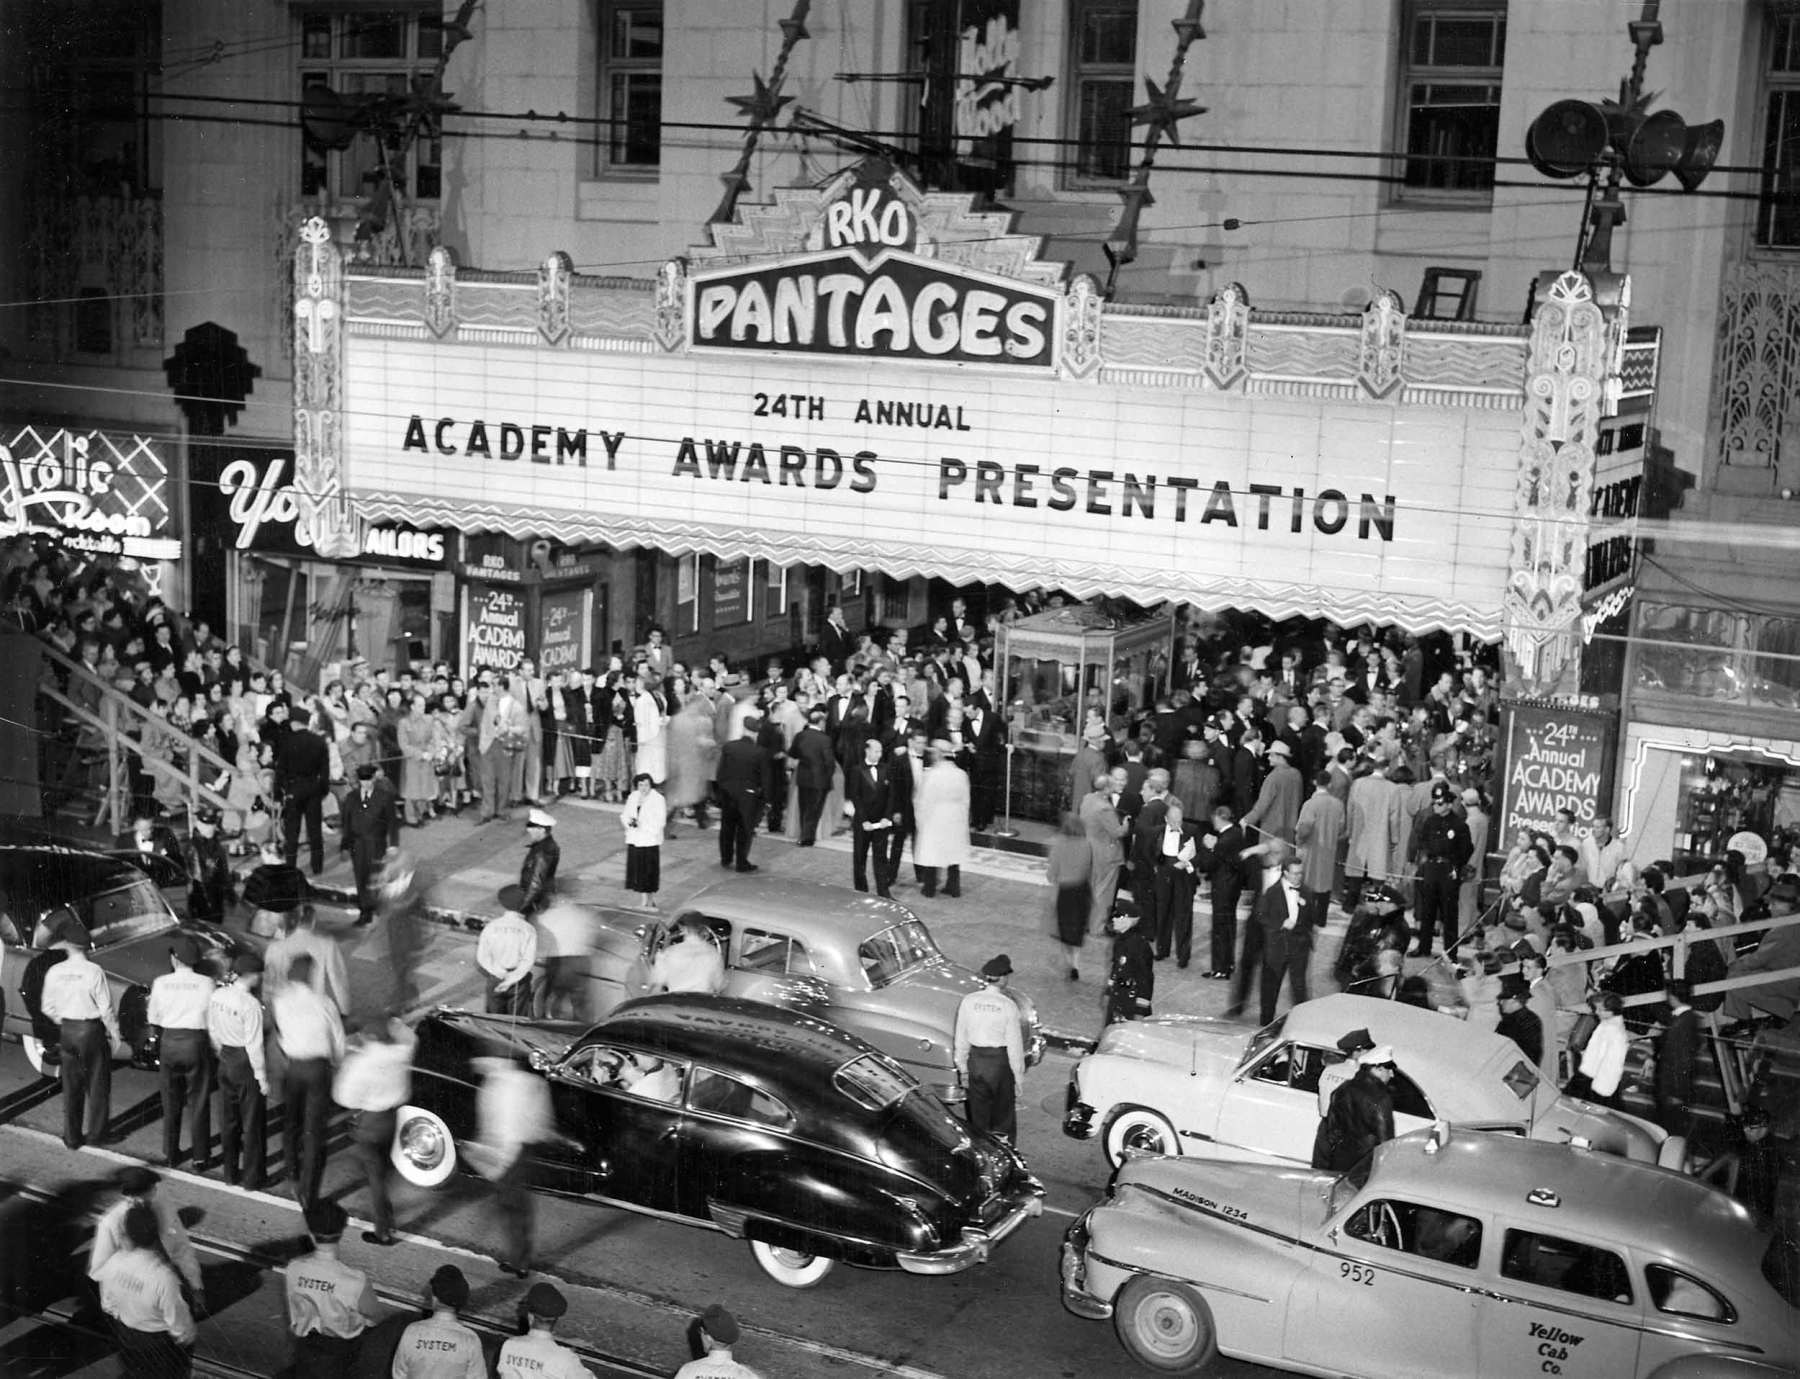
x=771 y=1126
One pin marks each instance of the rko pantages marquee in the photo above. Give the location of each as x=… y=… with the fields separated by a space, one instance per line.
x=867 y=376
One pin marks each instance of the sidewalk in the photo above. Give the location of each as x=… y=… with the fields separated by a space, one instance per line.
x=1004 y=906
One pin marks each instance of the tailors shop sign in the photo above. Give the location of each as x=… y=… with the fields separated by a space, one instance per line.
x=867 y=291
x=265 y=517
x=94 y=491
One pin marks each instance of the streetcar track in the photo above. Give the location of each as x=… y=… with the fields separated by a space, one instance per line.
x=27 y=1098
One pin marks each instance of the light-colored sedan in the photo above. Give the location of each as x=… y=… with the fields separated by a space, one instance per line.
x=1204 y=1087
x=1442 y=1254
x=866 y=964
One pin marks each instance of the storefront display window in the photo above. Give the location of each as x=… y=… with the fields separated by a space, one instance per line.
x=1710 y=670
x=1775 y=666
x=1724 y=796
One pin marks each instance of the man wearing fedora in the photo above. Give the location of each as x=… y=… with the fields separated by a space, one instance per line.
x=990 y=1052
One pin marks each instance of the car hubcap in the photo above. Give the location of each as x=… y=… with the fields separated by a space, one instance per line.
x=791 y=1259
x=1145 y=1137
x=1170 y=1327
x=422 y=1144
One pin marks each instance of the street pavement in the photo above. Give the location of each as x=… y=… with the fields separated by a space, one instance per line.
x=635 y=1282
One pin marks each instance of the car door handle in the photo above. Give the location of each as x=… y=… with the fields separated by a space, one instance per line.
x=669 y=1134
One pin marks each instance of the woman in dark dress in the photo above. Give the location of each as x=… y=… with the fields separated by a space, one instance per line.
x=578 y=701
x=615 y=729
x=1070 y=872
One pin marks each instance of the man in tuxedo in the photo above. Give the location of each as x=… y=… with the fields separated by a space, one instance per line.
x=985 y=735
x=1287 y=938
x=1146 y=841
x=835 y=639
x=1218 y=856
x=814 y=765
x=906 y=772
x=743 y=782
x=870 y=792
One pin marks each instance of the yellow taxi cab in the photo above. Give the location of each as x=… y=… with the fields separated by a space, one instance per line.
x=1442 y=1254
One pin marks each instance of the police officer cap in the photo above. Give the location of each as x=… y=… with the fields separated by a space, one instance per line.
x=718 y=1323
x=1356 y=1041
x=1443 y=793
x=246 y=963
x=1513 y=987
x=136 y=1181
x=512 y=897
x=544 y=1301
x=538 y=818
x=449 y=1285
x=366 y=771
x=1000 y=966
x=1382 y=1056
x=185 y=949
x=64 y=927
x=326 y=1221
x=206 y=814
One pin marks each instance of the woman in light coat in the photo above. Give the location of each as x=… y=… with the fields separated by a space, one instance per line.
x=417 y=736
x=941 y=839
x=648 y=720
x=691 y=756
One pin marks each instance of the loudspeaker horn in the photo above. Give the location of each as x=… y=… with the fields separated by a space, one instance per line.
x=1653 y=149
x=1566 y=139
x=1703 y=144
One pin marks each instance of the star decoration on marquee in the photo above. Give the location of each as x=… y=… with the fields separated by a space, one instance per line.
x=1160 y=115
x=761 y=107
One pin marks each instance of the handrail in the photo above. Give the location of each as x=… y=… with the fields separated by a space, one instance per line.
x=137 y=712
x=189 y=780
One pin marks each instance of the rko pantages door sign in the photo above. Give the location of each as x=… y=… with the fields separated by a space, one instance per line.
x=867 y=376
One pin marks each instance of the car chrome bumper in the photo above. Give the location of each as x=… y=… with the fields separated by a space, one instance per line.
x=1075 y=1296
x=1078 y=1117
x=977 y=1241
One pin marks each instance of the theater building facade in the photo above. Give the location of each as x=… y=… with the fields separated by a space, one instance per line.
x=860 y=386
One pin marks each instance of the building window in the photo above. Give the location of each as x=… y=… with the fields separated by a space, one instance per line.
x=631 y=55
x=365 y=55
x=1451 y=96
x=775 y=598
x=1102 y=82
x=1778 y=214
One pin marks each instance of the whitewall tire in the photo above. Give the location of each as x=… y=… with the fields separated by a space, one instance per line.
x=424 y=1151
x=791 y=1268
x=1142 y=1130
x=34 y=1055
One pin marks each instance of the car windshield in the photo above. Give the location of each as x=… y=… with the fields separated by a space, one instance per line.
x=1781 y=1266
x=873 y=1082
x=887 y=956
x=1261 y=1040
x=127 y=912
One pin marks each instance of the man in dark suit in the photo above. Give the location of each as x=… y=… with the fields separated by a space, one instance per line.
x=870 y=791
x=906 y=772
x=1677 y=1055
x=1146 y=841
x=302 y=776
x=369 y=824
x=836 y=641
x=743 y=783
x=148 y=838
x=985 y=735
x=814 y=765
x=1287 y=938
x=1218 y=858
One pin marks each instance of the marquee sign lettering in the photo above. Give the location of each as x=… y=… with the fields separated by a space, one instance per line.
x=267 y=518
x=869 y=291
x=988 y=98
x=92 y=490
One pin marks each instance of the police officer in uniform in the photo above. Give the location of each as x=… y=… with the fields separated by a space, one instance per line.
x=208 y=868
x=438 y=1346
x=78 y=998
x=538 y=1354
x=1442 y=849
x=328 y=1303
x=141 y=1295
x=718 y=1333
x=234 y=1025
x=990 y=1051
x=137 y=1188
x=537 y=874
x=179 y=1000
